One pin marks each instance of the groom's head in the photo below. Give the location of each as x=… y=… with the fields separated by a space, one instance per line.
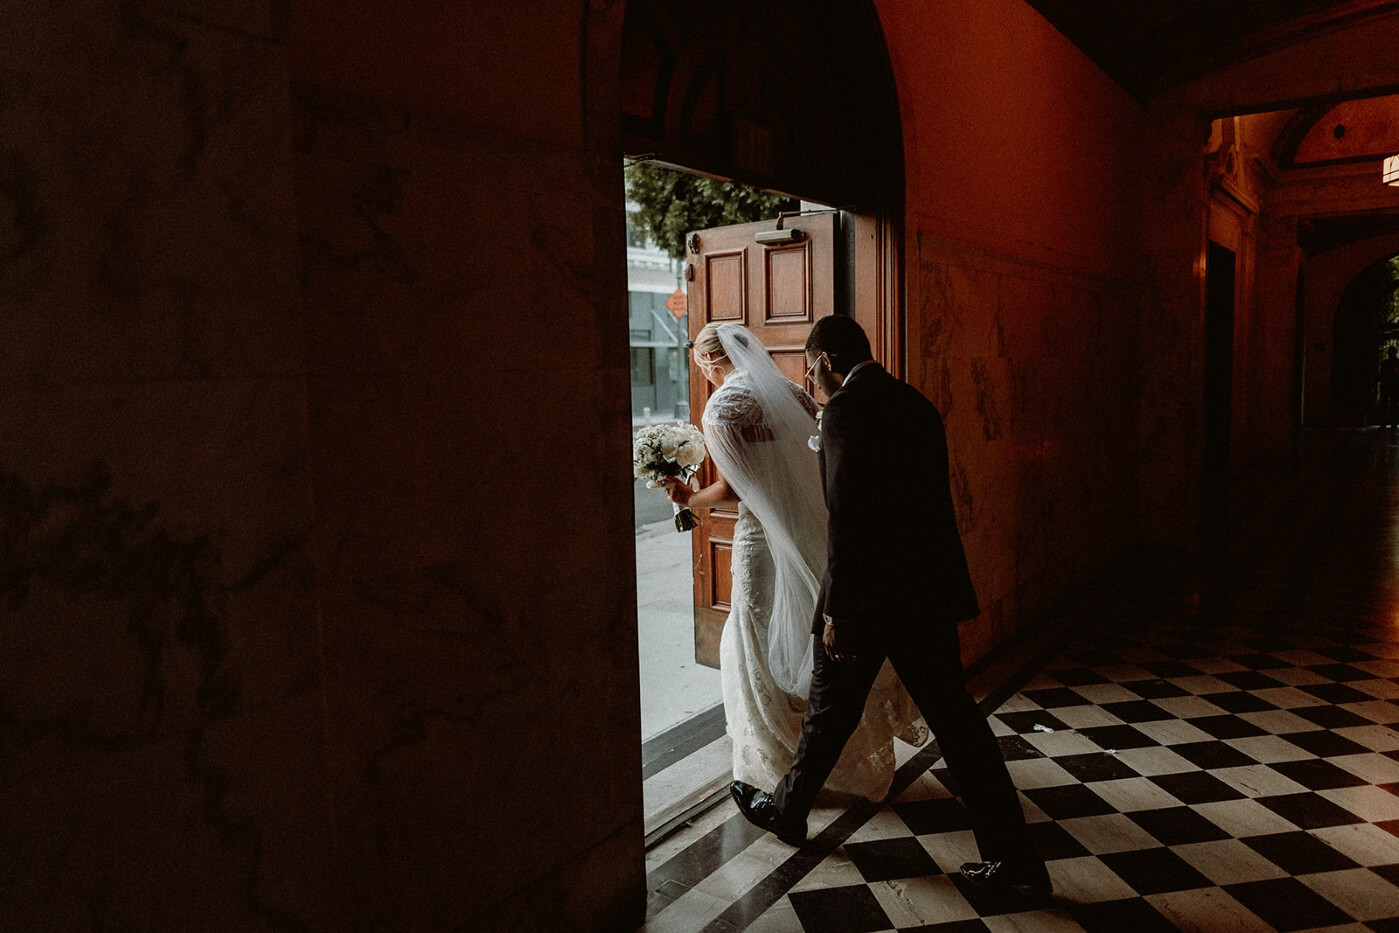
x=835 y=346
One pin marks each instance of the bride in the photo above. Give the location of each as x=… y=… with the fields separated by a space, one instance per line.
x=760 y=429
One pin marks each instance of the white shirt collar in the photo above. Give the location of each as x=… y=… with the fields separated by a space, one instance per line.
x=851 y=375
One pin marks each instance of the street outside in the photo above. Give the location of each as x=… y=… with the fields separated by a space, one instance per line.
x=673 y=687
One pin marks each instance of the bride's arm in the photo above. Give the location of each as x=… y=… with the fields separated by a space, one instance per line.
x=716 y=495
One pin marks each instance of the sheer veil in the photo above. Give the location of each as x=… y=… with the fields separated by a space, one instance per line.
x=757 y=426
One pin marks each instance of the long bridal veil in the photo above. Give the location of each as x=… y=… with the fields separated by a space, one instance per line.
x=757 y=428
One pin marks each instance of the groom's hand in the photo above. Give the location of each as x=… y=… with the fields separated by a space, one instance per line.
x=837 y=641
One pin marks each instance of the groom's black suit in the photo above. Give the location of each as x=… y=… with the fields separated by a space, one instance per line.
x=897 y=583
x=894 y=556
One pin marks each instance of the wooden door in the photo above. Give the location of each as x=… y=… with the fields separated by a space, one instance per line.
x=777 y=290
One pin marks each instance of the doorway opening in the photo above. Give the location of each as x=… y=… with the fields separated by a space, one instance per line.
x=773 y=264
x=783 y=96
x=1365 y=331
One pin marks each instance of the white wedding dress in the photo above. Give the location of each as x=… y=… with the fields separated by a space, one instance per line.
x=757 y=426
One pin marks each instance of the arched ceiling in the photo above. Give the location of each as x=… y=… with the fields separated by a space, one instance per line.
x=1153 y=46
x=1327 y=133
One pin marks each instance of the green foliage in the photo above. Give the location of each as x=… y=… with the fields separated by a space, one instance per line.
x=1390 y=306
x=1392 y=315
x=674 y=203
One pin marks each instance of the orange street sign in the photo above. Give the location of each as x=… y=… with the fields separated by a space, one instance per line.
x=676 y=303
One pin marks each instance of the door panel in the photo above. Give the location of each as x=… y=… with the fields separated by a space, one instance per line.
x=776 y=290
x=726 y=291
x=789 y=293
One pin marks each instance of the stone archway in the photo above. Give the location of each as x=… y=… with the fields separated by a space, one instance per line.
x=790 y=95
x=796 y=96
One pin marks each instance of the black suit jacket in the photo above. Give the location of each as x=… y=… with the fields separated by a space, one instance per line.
x=894 y=554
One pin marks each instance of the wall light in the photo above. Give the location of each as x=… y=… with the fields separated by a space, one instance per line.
x=1390 y=174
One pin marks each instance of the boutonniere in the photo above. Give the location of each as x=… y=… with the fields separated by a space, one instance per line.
x=814 y=441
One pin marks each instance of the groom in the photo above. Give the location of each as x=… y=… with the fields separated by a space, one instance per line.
x=896 y=586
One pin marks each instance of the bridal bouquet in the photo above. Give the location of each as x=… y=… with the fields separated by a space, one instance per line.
x=663 y=450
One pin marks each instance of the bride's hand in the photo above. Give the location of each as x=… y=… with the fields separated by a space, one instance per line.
x=677 y=492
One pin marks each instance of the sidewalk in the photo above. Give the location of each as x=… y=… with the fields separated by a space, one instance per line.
x=673 y=686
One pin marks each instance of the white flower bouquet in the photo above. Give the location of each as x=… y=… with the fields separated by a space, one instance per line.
x=675 y=449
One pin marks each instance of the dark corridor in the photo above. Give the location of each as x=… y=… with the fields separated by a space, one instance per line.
x=1367 y=323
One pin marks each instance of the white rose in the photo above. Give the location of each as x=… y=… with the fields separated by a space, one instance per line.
x=689 y=454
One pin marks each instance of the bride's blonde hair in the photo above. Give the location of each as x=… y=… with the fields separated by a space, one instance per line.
x=708 y=349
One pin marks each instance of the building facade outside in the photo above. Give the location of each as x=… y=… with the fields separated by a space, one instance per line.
x=660 y=371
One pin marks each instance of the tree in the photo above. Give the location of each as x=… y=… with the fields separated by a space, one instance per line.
x=674 y=203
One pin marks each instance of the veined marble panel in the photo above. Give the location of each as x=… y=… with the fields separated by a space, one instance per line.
x=471 y=447
x=1034 y=372
x=159 y=672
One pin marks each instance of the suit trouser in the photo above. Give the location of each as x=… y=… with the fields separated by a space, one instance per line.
x=928 y=660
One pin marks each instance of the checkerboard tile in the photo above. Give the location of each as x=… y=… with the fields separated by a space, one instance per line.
x=1219 y=762
x=1255 y=786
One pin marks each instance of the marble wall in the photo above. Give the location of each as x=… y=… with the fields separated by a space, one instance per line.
x=1277 y=382
x=469 y=431
x=1171 y=403
x=318 y=588
x=1036 y=374
x=162 y=759
x=479 y=633
x=1024 y=281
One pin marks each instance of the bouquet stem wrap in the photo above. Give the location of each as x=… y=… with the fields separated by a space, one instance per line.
x=685 y=520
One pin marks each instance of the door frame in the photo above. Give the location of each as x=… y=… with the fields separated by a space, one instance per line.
x=877 y=259
x=877 y=231
x=1221 y=305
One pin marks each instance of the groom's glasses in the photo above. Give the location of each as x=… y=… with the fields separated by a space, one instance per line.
x=811 y=370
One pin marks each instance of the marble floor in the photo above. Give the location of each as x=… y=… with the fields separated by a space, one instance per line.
x=1216 y=748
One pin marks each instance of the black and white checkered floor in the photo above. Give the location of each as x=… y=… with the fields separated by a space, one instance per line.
x=1221 y=757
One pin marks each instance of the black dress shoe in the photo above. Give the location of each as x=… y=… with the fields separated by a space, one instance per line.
x=761 y=810
x=1027 y=879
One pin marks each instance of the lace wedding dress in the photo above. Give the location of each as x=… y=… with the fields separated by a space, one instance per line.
x=757 y=426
